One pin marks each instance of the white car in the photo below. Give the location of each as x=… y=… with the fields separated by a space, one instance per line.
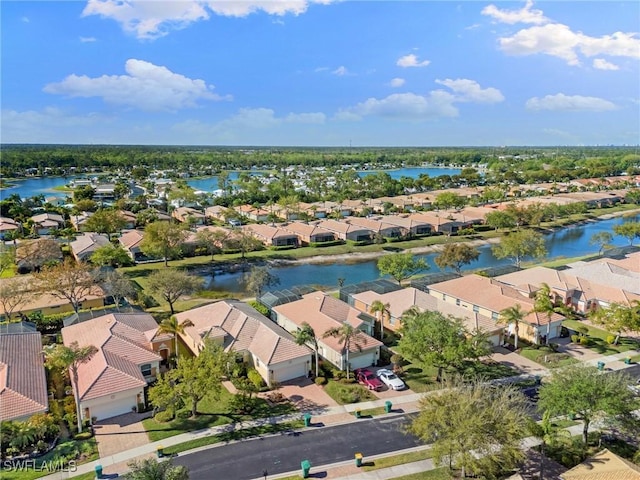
x=390 y=379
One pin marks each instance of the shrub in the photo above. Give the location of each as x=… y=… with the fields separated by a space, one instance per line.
x=584 y=341
x=320 y=381
x=255 y=378
x=574 y=338
x=184 y=414
x=611 y=339
x=164 y=416
x=260 y=308
x=83 y=436
x=348 y=381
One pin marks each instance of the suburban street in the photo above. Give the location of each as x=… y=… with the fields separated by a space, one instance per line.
x=283 y=453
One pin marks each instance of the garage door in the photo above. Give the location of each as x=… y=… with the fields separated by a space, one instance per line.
x=113 y=408
x=362 y=361
x=288 y=372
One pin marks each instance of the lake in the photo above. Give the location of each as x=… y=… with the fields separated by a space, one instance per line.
x=30 y=187
x=568 y=242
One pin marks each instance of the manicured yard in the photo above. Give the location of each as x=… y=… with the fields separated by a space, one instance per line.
x=212 y=412
x=441 y=473
x=599 y=339
x=80 y=451
x=553 y=359
x=396 y=460
x=344 y=393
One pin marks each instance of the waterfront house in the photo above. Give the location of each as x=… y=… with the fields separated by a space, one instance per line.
x=309 y=233
x=323 y=313
x=273 y=236
x=240 y=328
x=347 y=231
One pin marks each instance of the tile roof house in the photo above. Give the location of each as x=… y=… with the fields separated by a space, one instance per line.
x=86 y=244
x=23 y=383
x=376 y=225
x=188 y=214
x=130 y=351
x=45 y=223
x=604 y=465
x=273 y=236
x=489 y=297
x=34 y=254
x=8 y=226
x=400 y=301
x=309 y=233
x=130 y=241
x=240 y=328
x=324 y=312
x=346 y=231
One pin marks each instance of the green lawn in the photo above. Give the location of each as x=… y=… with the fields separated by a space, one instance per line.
x=395 y=460
x=81 y=451
x=344 y=393
x=599 y=339
x=441 y=473
x=553 y=360
x=212 y=412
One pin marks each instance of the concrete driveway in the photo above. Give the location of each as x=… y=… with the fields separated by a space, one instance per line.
x=121 y=433
x=306 y=395
x=522 y=364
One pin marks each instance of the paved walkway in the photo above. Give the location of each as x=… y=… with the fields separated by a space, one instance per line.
x=324 y=416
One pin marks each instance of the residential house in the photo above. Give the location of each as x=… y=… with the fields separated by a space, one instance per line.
x=604 y=465
x=189 y=215
x=78 y=220
x=7 y=227
x=34 y=254
x=379 y=227
x=219 y=213
x=23 y=383
x=400 y=301
x=105 y=192
x=130 y=219
x=131 y=240
x=309 y=233
x=489 y=297
x=46 y=223
x=273 y=236
x=409 y=227
x=86 y=244
x=239 y=328
x=130 y=351
x=323 y=313
x=313 y=210
x=347 y=231
x=441 y=222
x=50 y=303
x=253 y=213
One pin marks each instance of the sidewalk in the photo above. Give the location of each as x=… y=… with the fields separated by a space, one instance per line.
x=325 y=417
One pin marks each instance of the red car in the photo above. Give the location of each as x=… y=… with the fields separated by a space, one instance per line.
x=368 y=379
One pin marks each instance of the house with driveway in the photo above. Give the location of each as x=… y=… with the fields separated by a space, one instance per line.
x=488 y=297
x=259 y=341
x=130 y=353
x=23 y=383
x=86 y=244
x=399 y=301
x=324 y=312
x=46 y=223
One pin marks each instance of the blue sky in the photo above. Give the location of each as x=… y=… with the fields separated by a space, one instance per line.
x=321 y=73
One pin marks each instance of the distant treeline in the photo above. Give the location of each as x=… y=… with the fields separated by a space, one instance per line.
x=59 y=159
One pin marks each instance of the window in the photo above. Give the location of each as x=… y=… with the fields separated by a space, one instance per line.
x=457 y=301
x=146 y=370
x=494 y=316
x=476 y=308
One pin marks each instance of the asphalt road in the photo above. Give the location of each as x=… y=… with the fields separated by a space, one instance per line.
x=283 y=453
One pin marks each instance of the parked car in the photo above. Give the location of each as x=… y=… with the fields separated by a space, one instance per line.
x=368 y=379
x=390 y=379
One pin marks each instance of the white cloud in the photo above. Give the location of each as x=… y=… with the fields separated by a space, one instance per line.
x=341 y=71
x=470 y=91
x=47 y=125
x=404 y=106
x=602 y=64
x=570 y=103
x=149 y=19
x=396 y=82
x=87 y=39
x=146 y=86
x=524 y=15
x=411 y=60
x=560 y=41
x=25 y=19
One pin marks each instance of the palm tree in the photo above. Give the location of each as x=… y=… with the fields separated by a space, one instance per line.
x=173 y=327
x=346 y=334
x=70 y=358
x=383 y=309
x=544 y=304
x=513 y=315
x=306 y=336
